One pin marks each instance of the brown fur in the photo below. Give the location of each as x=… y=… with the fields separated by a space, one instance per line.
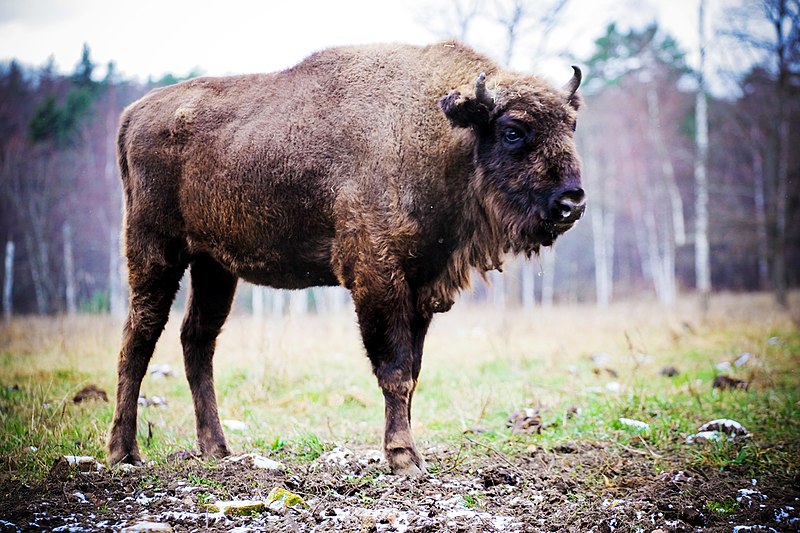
x=376 y=168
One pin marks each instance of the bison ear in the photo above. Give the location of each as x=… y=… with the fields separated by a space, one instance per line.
x=466 y=111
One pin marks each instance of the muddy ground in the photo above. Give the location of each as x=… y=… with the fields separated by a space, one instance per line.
x=571 y=488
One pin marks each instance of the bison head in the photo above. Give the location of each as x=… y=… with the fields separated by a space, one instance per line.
x=527 y=172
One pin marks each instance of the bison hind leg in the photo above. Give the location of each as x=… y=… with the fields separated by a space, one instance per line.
x=212 y=290
x=153 y=288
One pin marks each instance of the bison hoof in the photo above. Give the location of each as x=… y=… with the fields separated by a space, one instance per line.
x=122 y=457
x=406 y=462
x=217 y=451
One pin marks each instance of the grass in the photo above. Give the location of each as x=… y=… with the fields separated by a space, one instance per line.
x=302 y=384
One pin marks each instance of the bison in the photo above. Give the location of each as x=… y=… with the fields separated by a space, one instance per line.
x=392 y=170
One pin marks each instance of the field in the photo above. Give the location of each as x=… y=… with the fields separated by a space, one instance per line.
x=548 y=420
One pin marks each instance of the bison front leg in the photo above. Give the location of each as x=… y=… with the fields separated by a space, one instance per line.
x=386 y=328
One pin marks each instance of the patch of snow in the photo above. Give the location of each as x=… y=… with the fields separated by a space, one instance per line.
x=254 y=460
x=143 y=499
x=703 y=436
x=636 y=424
x=235 y=425
x=749 y=495
x=339 y=455
x=726 y=425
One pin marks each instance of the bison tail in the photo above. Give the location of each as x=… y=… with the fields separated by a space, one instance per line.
x=122 y=149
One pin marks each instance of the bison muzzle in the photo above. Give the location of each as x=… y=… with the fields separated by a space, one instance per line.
x=391 y=170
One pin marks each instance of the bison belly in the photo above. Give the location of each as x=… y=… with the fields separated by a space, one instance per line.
x=274 y=231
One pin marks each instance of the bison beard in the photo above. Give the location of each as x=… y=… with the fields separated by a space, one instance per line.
x=391 y=170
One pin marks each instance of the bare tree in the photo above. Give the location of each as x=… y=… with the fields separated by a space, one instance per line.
x=521 y=18
x=772 y=27
x=702 y=258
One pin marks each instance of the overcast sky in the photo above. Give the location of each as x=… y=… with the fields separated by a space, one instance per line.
x=152 y=37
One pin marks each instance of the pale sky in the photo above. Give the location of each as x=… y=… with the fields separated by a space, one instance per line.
x=153 y=37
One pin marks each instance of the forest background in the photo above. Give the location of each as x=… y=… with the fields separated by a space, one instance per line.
x=691 y=171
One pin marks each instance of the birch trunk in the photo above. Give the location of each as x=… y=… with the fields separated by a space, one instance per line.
x=702 y=259
x=70 y=285
x=259 y=296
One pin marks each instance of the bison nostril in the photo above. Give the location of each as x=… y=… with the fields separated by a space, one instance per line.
x=568 y=206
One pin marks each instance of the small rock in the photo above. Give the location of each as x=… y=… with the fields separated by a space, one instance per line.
x=289 y=499
x=566 y=448
x=84 y=464
x=723 y=366
x=742 y=359
x=720 y=429
x=148 y=527
x=724 y=382
x=613 y=386
x=237 y=507
x=669 y=371
x=153 y=401
x=499 y=476
x=610 y=371
x=727 y=426
x=183 y=455
x=527 y=420
x=90 y=392
x=162 y=371
x=254 y=460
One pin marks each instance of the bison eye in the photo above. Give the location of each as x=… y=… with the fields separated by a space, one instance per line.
x=513 y=137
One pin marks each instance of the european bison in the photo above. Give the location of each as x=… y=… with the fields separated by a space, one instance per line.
x=391 y=170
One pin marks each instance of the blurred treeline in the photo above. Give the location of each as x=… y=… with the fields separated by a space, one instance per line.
x=61 y=205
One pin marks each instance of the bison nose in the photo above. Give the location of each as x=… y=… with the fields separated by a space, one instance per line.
x=568 y=206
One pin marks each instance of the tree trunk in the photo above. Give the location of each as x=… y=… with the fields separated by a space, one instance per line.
x=667 y=170
x=8 y=280
x=70 y=284
x=548 y=277
x=528 y=283
x=259 y=296
x=298 y=302
x=760 y=206
x=116 y=292
x=702 y=258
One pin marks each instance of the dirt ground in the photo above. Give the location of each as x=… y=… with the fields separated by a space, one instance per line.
x=571 y=488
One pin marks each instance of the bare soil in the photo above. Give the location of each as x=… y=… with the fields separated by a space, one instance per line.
x=572 y=488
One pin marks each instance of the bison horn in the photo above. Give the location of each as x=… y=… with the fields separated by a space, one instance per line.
x=481 y=94
x=573 y=84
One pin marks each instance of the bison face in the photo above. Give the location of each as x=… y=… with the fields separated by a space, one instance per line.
x=527 y=172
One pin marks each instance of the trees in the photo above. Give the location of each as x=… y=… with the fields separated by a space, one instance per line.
x=635 y=76
x=640 y=135
x=768 y=114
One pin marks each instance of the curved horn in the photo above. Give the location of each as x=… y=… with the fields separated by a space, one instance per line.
x=480 y=91
x=573 y=84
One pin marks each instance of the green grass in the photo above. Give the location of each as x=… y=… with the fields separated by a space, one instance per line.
x=303 y=385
